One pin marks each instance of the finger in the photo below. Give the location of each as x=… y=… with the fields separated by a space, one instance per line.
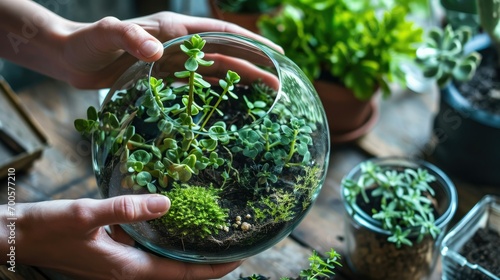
x=168 y=25
x=197 y=25
x=122 y=209
x=112 y=34
x=211 y=271
x=157 y=266
x=119 y=235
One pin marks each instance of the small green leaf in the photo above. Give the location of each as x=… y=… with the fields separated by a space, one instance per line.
x=156 y=151
x=189 y=161
x=222 y=83
x=201 y=83
x=182 y=74
x=141 y=156
x=209 y=144
x=151 y=187
x=81 y=125
x=92 y=113
x=170 y=143
x=136 y=166
x=143 y=178
x=205 y=63
x=191 y=64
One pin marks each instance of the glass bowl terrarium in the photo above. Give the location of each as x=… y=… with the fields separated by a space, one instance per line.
x=229 y=129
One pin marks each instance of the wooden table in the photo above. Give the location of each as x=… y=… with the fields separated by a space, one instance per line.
x=65 y=171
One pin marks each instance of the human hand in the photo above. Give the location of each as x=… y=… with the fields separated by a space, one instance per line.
x=68 y=236
x=96 y=53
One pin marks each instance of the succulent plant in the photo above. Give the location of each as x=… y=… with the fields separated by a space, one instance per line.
x=319 y=268
x=186 y=134
x=402 y=199
x=443 y=58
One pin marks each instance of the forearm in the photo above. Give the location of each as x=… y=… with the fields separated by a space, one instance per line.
x=33 y=36
x=8 y=230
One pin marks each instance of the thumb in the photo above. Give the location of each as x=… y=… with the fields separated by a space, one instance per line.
x=111 y=34
x=129 y=208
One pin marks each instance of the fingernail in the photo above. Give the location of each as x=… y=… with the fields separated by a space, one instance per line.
x=149 y=48
x=158 y=204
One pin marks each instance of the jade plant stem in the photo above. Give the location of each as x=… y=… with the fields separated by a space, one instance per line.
x=190 y=95
x=213 y=108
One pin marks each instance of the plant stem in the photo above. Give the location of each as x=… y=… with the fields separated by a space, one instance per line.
x=157 y=98
x=213 y=109
x=292 y=146
x=139 y=144
x=191 y=94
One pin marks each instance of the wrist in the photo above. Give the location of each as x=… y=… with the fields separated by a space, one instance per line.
x=7 y=237
x=34 y=36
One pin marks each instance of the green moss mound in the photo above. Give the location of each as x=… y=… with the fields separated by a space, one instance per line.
x=194 y=211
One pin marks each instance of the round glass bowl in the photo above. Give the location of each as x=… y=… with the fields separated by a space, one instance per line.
x=369 y=253
x=230 y=130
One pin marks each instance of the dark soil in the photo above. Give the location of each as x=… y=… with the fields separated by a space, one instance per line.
x=236 y=195
x=376 y=258
x=482 y=249
x=483 y=90
x=235 y=241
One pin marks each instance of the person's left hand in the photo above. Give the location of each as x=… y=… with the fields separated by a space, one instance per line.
x=68 y=236
x=96 y=53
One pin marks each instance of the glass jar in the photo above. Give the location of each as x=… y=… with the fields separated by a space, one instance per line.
x=241 y=156
x=369 y=253
x=466 y=261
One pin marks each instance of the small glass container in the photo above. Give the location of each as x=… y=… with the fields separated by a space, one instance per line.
x=370 y=255
x=484 y=216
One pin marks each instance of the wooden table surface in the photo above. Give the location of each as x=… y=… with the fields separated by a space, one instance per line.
x=65 y=171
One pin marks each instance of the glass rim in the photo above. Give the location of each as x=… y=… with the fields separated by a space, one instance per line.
x=242 y=40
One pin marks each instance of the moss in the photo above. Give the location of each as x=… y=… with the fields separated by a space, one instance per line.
x=194 y=211
x=278 y=207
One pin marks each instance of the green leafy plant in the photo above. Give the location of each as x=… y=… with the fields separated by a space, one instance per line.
x=193 y=140
x=359 y=49
x=401 y=200
x=278 y=207
x=319 y=268
x=442 y=56
x=247 y=6
x=489 y=19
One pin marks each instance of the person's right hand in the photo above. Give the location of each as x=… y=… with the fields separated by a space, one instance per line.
x=68 y=236
x=96 y=54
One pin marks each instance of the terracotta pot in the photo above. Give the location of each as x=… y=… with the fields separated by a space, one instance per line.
x=247 y=21
x=348 y=117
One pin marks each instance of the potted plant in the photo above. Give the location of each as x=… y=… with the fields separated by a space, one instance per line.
x=458 y=13
x=319 y=268
x=349 y=52
x=396 y=213
x=471 y=249
x=467 y=125
x=241 y=155
x=244 y=13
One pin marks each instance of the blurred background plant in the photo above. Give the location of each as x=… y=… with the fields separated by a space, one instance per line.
x=442 y=56
x=248 y=6
x=359 y=44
